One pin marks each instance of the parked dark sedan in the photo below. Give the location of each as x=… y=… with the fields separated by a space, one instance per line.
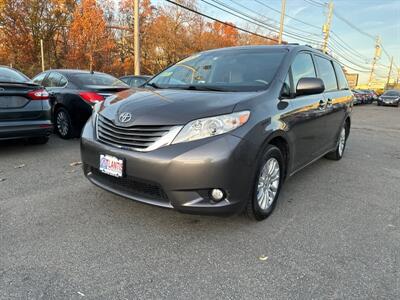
x=73 y=94
x=25 y=110
x=218 y=132
x=391 y=97
x=135 y=80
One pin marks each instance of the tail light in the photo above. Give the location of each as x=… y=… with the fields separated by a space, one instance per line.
x=91 y=97
x=38 y=95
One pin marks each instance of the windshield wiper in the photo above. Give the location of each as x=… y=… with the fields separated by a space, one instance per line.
x=201 y=88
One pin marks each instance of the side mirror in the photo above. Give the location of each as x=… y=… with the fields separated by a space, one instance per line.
x=309 y=86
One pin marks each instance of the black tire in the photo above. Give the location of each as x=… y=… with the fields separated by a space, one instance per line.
x=337 y=154
x=63 y=124
x=39 y=140
x=253 y=209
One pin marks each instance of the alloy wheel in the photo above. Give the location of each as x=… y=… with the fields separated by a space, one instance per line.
x=342 y=141
x=62 y=123
x=268 y=183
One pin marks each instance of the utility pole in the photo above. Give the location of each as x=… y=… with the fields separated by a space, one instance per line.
x=136 y=37
x=282 y=20
x=42 y=53
x=390 y=72
x=376 y=57
x=326 y=28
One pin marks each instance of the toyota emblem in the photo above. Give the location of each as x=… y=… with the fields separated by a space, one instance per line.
x=125 y=117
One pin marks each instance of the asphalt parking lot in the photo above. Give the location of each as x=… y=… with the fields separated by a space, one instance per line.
x=335 y=232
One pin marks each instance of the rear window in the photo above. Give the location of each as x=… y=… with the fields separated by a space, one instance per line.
x=87 y=79
x=8 y=75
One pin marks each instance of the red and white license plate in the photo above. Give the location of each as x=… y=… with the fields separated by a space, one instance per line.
x=111 y=165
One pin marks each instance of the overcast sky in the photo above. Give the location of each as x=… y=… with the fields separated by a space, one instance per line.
x=372 y=16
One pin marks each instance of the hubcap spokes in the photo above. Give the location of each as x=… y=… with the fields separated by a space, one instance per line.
x=268 y=183
x=342 y=141
x=62 y=123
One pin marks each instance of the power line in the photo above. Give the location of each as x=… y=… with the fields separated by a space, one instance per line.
x=256 y=22
x=315 y=3
x=343 y=56
x=286 y=15
x=345 y=45
x=219 y=21
x=353 y=26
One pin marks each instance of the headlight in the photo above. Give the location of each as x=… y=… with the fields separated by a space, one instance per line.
x=96 y=109
x=203 y=128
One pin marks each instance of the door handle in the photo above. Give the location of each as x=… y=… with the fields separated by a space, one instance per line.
x=329 y=102
x=321 y=105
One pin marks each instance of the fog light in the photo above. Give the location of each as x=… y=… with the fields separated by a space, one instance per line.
x=217 y=194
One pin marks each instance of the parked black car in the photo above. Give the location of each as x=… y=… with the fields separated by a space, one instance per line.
x=369 y=96
x=218 y=132
x=135 y=80
x=358 y=97
x=25 y=110
x=391 y=97
x=73 y=94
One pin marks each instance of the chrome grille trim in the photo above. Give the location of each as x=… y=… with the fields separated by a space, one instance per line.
x=138 y=138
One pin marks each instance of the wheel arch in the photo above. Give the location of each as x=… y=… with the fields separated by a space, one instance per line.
x=279 y=140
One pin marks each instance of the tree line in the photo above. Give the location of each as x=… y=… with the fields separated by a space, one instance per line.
x=98 y=35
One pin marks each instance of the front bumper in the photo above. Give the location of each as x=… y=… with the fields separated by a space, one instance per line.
x=25 y=129
x=178 y=176
x=390 y=103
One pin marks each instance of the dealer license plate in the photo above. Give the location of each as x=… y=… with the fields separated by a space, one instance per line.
x=111 y=165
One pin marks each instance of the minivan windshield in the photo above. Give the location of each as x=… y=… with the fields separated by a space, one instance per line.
x=241 y=70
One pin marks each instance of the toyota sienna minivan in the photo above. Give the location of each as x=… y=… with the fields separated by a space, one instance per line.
x=218 y=132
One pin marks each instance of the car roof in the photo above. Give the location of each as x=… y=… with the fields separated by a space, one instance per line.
x=136 y=76
x=288 y=47
x=73 y=71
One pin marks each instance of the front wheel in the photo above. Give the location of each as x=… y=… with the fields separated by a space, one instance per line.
x=267 y=184
x=337 y=154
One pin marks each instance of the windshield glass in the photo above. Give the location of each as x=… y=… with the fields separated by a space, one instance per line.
x=391 y=93
x=87 y=79
x=222 y=70
x=8 y=75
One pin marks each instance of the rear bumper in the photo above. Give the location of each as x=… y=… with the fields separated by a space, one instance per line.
x=25 y=129
x=178 y=176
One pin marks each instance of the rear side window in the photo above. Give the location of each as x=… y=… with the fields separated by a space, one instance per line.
x=53 y=80
x=39 y=78
x=342 y=81
x=302 y=66
x=127 y=80
x=326 y=73
x=63 y=81
x=137 y=82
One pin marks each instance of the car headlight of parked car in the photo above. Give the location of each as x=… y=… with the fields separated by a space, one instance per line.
x=212 y=126
x=96 y=109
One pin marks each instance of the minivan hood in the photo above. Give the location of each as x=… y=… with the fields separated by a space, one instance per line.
x=170 y=106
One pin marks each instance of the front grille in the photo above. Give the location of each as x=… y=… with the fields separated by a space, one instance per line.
x=131 y=185
x=134 y=137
